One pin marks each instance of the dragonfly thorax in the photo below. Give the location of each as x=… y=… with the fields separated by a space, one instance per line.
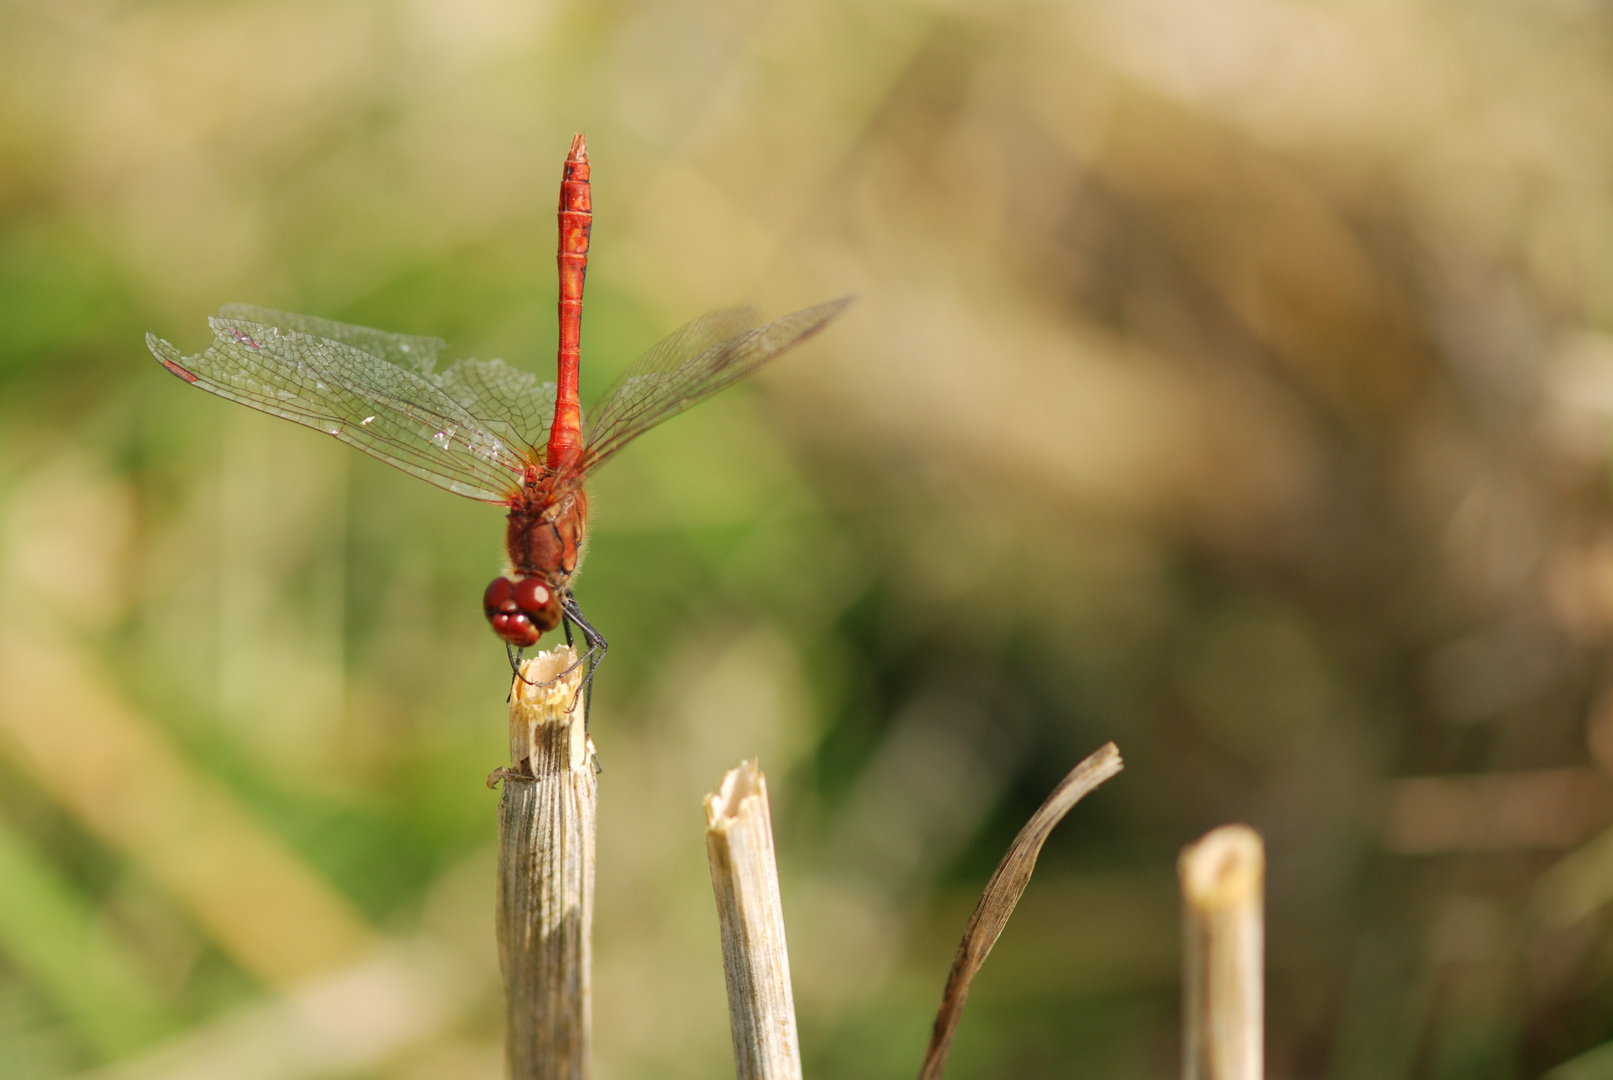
x=547 y=523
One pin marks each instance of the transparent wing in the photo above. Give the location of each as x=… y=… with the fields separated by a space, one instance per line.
x=509 y=402
x=390 y=412
x=689 y=366
x=406 y=350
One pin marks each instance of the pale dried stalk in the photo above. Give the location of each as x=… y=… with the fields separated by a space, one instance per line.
x=744 y=876
x=546 y=873
x=1003 y=891
x=1223 y=886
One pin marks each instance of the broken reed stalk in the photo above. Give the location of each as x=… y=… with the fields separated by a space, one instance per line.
x=744 y=877
x=1223 y=885
x=545 y=907
x=1002 y=893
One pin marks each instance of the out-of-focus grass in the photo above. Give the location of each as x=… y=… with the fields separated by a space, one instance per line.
x=1232 y=381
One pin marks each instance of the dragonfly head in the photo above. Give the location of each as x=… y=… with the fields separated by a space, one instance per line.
x=521 y=611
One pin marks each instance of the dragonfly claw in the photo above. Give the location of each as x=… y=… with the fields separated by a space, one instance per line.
x=597 y=647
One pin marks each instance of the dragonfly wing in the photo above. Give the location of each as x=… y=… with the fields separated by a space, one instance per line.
x=509 y=402
x=405 y=350
x=691 y=365
x=389 y=412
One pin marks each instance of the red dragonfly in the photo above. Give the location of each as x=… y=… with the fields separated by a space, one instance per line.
x=481 y=428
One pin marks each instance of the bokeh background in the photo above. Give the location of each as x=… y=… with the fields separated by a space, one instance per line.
x=1232 y=381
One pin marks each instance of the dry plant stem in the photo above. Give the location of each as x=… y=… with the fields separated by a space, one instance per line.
x=546 y=873
x=744 y=875
x=1223 y=886
x=1003 y=892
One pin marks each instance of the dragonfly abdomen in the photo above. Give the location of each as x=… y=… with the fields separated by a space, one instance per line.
x=576 y=224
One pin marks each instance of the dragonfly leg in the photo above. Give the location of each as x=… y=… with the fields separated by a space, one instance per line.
x=515 y=659
x=596 y=651
x=597 y=645
x=515 y=654
x=565 y=624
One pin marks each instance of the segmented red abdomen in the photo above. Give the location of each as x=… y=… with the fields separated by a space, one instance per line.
x=576 y=222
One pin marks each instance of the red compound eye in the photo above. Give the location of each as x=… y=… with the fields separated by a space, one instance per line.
x=500 y=596
x=515 y=628
x=531 y=594
x=536 y=599
x=521 y=611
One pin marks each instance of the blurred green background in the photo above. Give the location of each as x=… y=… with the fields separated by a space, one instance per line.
x=1232 y=381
